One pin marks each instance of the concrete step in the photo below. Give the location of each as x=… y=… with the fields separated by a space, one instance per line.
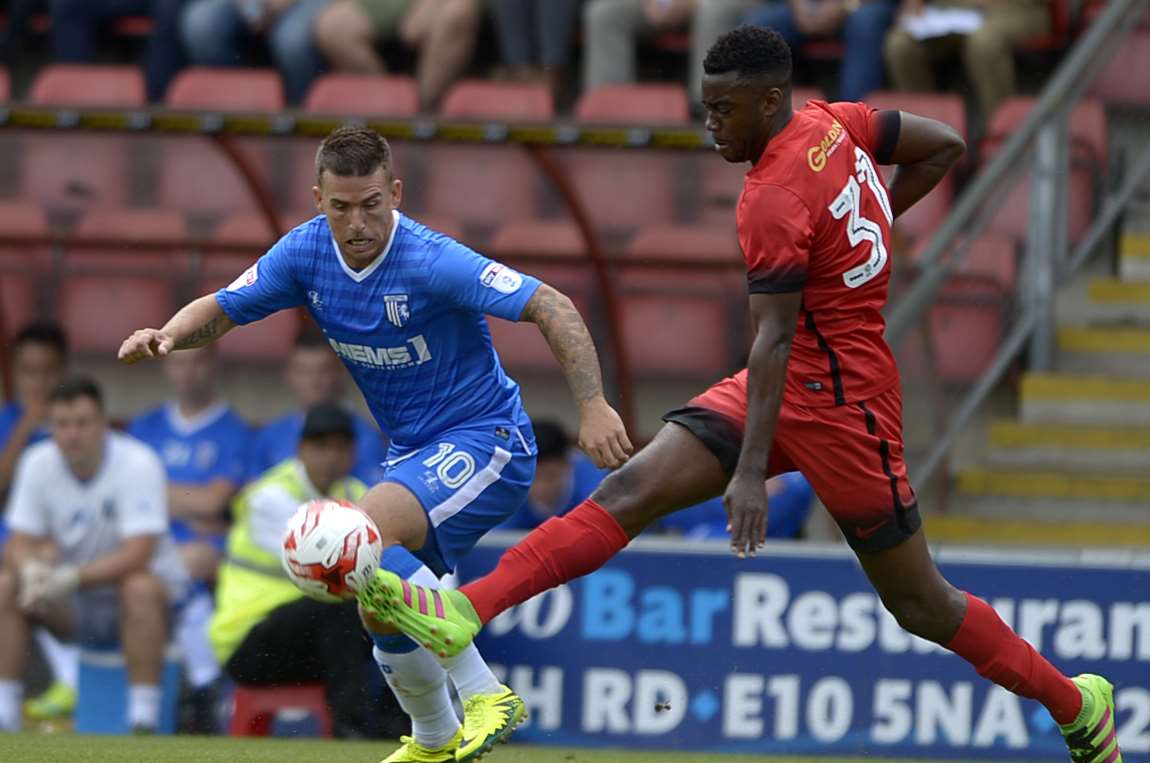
x=1058 y=398
x=1068 y=448
x=959 y=526
x=1111 y=291
x=1121 y=350
x=1134 y=256
x=1103 y=490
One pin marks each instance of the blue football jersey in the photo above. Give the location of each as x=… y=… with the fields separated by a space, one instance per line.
x=410 y=328
x=279 y=440
x=211 y=446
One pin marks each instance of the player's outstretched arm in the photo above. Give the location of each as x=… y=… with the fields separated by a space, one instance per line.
x=200 y=322
x=925 y=151
x=601 y=432
x=774 y=317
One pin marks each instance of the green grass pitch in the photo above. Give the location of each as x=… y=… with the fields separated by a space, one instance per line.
x=66 y=748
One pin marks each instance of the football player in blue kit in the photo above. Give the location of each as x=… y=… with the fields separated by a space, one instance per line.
x=403 y=307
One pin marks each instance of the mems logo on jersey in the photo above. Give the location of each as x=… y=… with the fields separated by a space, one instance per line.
x=501 y=278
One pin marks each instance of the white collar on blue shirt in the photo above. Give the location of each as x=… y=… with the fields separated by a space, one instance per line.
x=359 y=275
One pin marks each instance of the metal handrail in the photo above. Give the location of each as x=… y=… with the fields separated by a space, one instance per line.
x=1091 y=52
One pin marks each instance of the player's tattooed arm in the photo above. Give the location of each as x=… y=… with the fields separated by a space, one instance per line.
x=601 y=432
x=774 y=317
x=200 y=322
x=924 y=152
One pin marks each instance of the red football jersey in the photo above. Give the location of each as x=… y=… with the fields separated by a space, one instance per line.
x=814 y=216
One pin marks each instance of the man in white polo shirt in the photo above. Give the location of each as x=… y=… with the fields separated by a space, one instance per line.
x=89 y=556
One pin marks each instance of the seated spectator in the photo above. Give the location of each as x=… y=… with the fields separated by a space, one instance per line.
x=89 y=557
x=39 y=357
x=443 y=31
x=216 y=33
x=860 y=24
x=535 y=38
x=564 y=477
x=265 y=631
x=612 y=28
x=75 y=24
x=314 y=375
x=790 y=497
x=987 y=53
x=204 y=446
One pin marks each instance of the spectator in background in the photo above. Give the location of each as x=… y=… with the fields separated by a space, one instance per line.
x=987 y=53
x=314 y=375
x=75 y=24
x=861 y=25
x=535 y=38
x=39 y=358
x=215 y=33
x=612 y=28
x=204 y=447
x=564 y=477
x=443 y=31
x=89 y=556
x=790 y=498
x=265 y=631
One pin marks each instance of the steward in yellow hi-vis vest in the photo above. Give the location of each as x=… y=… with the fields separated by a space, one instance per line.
x=265 y=631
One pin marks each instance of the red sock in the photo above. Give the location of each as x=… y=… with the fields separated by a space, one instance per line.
x=1000 y=654
x=560 y=549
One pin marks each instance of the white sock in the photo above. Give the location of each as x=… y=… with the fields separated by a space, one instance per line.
x=143 y=706
x=470 y=673
x=192 y=636
x=63 y=659
x=11 y=702
x=468 y=670
x=420 y=685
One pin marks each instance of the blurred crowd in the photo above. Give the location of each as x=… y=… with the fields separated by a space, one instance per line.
x=892 y=44
x=170 y=527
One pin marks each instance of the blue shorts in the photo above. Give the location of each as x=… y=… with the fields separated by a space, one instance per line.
x=468 y=481
x=182 y=533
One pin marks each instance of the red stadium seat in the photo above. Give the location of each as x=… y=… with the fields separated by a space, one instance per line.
x=5 y=85
x=78 y=170
x=195 y=176
x=89 y=85
x=634 y=104
x=968 y=321
x=1088 y=161
x=24 y=270
x=628 y=189
x=679 y=321
x=366 y=95
x=721 y=182
x=271 y=338
x=1126 y=79
x=108 y=293
x=487 y=185
x=924 y=217
x=256 y=707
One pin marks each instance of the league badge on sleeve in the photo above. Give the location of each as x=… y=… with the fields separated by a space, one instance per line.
x=501 y=278
x=398 y=313
x=247 y=278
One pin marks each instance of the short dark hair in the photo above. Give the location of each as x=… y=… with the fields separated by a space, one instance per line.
x=551 y=439
x=77 y=387
x=352 y=151
x=45 y=333
x=750 y=51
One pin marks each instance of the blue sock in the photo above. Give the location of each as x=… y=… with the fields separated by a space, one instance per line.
x=393 y=643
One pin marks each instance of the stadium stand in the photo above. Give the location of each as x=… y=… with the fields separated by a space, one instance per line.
x=196 y=177
x=23 y=269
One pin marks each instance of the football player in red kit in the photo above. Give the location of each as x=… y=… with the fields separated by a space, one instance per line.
x=820 y=394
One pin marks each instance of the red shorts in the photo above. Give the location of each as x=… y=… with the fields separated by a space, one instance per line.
x=851 y=454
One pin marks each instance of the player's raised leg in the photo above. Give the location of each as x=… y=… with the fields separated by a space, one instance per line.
x=853 y=456
x=674 y=471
